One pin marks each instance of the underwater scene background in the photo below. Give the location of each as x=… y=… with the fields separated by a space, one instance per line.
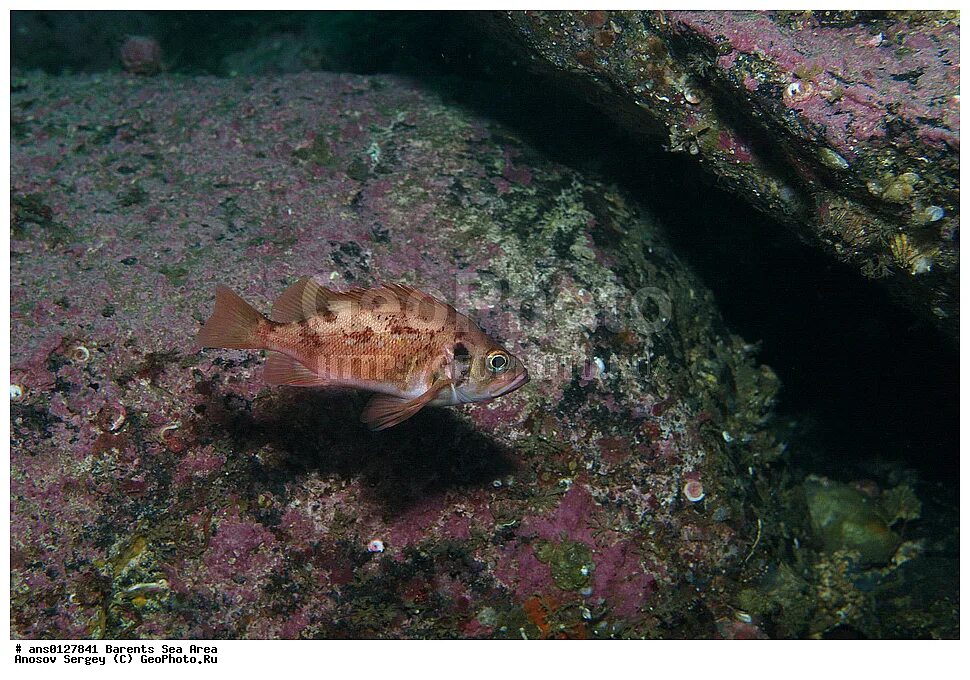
x=730 y=270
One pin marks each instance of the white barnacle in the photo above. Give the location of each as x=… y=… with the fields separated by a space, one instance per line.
x=691 y=96
x=799 y=91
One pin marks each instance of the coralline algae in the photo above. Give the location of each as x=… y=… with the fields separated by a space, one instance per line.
x=796 y=113
x=249 y=509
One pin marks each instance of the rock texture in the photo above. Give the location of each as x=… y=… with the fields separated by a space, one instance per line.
x=843 y=125
x=157 y=491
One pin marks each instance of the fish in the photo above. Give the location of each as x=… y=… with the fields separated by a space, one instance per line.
x=405 y=346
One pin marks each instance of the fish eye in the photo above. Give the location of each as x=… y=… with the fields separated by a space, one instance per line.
x=498 y=361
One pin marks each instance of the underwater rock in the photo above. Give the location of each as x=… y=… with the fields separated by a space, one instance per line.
x=159 y=491
x=844 y=518
x=843 y=125
x=141 y=55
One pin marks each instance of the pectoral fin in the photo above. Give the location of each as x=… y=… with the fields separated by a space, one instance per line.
x=384 y=411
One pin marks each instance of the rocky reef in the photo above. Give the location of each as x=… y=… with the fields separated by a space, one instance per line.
x=632 y=489
x=843 y=125
x=162 y=492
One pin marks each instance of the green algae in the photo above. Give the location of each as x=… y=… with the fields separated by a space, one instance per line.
x=900 y=504
x=318 y=153
x=570 y=562
x=844 y=518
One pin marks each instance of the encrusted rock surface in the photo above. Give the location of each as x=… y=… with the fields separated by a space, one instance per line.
x=844 y=125
x=162 y=492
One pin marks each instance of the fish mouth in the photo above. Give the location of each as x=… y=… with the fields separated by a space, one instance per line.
x=516 y=383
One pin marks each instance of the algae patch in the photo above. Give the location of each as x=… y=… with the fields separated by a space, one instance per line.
x=843 y=517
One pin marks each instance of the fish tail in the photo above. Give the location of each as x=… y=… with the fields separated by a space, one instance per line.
x=234 y=323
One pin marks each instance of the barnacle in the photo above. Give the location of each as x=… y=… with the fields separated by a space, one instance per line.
x=899 y=189
x=691 y=96
x=80 y=354
x=931 y=213
x=693 y=491
x=798 y=91
x=909 y=256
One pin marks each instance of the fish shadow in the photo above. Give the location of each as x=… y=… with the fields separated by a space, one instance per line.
x=318 y=431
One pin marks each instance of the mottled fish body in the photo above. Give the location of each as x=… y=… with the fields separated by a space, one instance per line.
x=407 y=346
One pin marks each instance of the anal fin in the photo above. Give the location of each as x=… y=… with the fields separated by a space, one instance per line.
x=281 y=369
x=384 y=411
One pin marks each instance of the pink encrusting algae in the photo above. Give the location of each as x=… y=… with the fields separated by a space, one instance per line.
x=794 y=112
x=253 y=511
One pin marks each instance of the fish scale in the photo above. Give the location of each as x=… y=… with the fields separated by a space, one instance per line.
x=408 y=347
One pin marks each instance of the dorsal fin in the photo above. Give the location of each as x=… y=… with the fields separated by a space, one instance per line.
x=409 y=293
x=301 y=300
x=307 y=297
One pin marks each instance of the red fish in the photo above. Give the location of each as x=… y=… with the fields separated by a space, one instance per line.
x=409 y=348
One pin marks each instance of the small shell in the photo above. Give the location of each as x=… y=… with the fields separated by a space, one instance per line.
x=832 y=159
x=798 y=91
x=694 y=491
x=932 y=213
x=17 y=392
x=691 y=96
x=80 y=354
x=119 y=420
x=898 y=191
x=375 y=546
x=165 y=429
